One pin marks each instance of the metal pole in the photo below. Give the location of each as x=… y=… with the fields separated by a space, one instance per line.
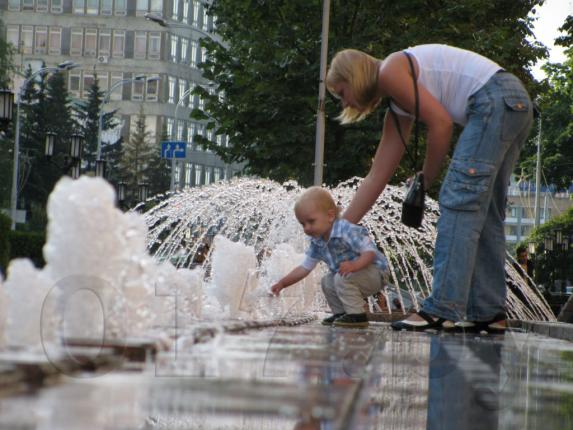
x=15 y=170
x=538 y=177
x=174 y=135
x=14 y=195
x=99 y=130
x=319 y=146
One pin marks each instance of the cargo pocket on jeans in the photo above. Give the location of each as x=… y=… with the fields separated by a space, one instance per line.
x=466 y=184
x=515 y=116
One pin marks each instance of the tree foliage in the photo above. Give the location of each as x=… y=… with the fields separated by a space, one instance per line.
x=6 y=59
x=556 y=107
x=88 y=112
x=137 y=157
x=267 y=71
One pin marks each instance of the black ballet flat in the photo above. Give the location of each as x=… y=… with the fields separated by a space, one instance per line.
x=435 y=323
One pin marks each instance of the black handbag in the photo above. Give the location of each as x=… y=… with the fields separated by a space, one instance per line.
x=413 y=204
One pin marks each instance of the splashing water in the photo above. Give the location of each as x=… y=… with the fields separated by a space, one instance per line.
x=259 y=214
x=205 y=253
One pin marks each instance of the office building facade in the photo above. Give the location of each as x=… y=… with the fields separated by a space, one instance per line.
x=111 y=39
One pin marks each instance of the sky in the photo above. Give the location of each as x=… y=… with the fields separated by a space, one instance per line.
x=550 y=17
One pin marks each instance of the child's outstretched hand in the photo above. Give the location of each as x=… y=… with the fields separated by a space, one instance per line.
x=346 y=267
x=276 y=288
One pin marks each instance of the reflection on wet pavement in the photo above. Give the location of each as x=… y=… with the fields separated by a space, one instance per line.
x=311 y=377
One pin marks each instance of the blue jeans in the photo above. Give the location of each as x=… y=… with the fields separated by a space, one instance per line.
x=469 y=256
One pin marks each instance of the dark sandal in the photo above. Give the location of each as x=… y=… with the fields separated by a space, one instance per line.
x=497 y=325
x=431 y=323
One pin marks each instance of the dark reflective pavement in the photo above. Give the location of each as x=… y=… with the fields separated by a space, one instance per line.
x=315 y=377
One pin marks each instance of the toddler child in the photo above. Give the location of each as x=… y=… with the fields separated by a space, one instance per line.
x=357 y=269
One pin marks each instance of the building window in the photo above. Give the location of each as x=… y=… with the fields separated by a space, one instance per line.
x=181 y=90
x=205 y=19
x=13 y=36
x=188 y=170
x=120 y=7
x=90 y=44
x=137 y=89
x=157 y=7
x=185 y=10
x=184 y=48
x=191 y=132
x=198 y=174
x=27 y=4
x=104 y=42
x=41 y=5
x=173 y=52
x=103 y=81
x=195 y=21
x=194 y=49
x=92 y=7
x=76 y=41
x=56 y=6
x=118 y=43
x=89 y=80
x=78 y=7
x=140 y=44
x=180 y=128
x=171 y=90
x=203 y=55
x=141 y=7
x=55 y=41
x=152 y=90
x=13 y=4
x=106 y=7
x=154 y=45
x=27 y=39
x=117 y=93
x=170 y=127
x=74 y=83
x=175 y=14
x=41 y=45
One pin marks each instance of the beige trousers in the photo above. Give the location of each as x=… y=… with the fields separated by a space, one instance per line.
x=346 y=294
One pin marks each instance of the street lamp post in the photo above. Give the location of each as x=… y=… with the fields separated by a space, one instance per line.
x=100 y=166
x=67 y=65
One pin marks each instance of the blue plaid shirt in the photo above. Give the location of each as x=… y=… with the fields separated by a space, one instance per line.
x=346 y=242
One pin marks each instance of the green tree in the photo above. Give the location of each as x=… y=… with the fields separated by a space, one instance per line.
x=6 y=59
x=267 y=71
x=46 y=107
x=556 y=107
x=88 y=115
x=136 y=158
x=159 y=174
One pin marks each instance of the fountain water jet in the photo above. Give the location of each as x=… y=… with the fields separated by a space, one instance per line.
x=259 y=213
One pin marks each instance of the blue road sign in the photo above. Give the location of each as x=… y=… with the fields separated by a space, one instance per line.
x=173 y=149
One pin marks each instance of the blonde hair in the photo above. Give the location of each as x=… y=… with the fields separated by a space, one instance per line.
x=360 y=71
x=319 y=197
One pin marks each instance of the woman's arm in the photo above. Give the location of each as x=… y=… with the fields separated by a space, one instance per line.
x=395 y=81
x=384 y=164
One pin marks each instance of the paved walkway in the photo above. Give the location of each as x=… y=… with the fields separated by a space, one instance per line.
x=315 y=377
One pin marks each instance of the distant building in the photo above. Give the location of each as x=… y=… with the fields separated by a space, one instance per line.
x=113 y=40
x=520 y=211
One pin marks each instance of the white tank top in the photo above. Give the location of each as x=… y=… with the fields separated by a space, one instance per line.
x=451 y=75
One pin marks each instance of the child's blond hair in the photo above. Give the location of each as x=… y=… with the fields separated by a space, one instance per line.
x=360 y=71
x=318 y=196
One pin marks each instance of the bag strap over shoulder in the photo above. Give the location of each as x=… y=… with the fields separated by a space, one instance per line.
x=413 y=158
